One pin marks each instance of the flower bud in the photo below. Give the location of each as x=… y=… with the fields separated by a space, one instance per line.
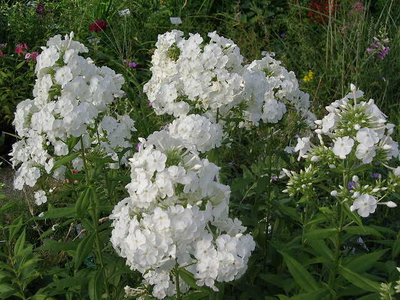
x=391 y=204
x=315 y=158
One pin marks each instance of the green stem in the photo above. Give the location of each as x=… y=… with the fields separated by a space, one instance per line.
x=178 y=291
x=95 y=216
x=84 y=162
x=340 y=227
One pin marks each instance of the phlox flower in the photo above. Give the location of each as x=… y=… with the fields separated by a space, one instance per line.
x=367 y=137
x=365 y=205
x=40 y=197
x=124 y=12
x=343 y=146
x=303 y=146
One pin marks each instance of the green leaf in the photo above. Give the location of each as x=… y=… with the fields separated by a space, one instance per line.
x=369 y=297
x=302 y=277
x=19 y=245
x=5 y=266
x=189 y=279
x=72 y=142
x=317 y=234
x=365 y=230
x=196 y=295
x=85 y=247
x=321 y=248
x=272 y=279
x=64 y=160
x=58 y=213
x=310 y=296
x=352 y=215
x=96 y=285
x=362 y=263
x=69 y=282
x=359 y=280
x=83 y=202
x=29 y=262
x=396 y=247
x=15 y=227
x=40 y=297
x=8 y=205
x=4 y=274
x=19 y=66
x=6 y=290
x=58 y=246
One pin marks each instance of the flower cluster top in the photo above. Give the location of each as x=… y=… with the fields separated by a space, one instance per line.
x=69 y=94
x=352 y=139
x=191 y=75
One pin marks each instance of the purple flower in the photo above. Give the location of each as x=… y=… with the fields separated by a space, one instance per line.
x=379 y=49
x=138 y=146
x=351 y=185
x=283 y=35
x=132 y=64
x=376 y=176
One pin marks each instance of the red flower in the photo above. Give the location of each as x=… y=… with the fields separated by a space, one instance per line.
x=320 y=10
x=98 y=26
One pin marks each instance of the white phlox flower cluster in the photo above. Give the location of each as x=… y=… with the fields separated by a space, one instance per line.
x=115 y=135
x=69 y=93
x=196 y=131
x=268 y=89
x=190 y=74
x=356 y=128
x=176 y=216
x=356 y=133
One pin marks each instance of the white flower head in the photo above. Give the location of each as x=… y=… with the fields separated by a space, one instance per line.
x=40 y=197
x=367 y=137
x=365 y=205
x=343 y=146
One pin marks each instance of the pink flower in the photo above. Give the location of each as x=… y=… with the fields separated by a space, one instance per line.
x=31 y=56
x=20 y=48
x=1 y=53
x=34 y=55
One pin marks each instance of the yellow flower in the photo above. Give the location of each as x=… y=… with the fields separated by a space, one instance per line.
x=309 y=76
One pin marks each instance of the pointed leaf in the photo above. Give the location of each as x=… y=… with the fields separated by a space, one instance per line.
x=85 y=247
x=365 y=230
x=96 y=285
x=19 y=245
x=302 y=277
x=65 y=160
x=396 y=247
x=362 y=263
x=57 y=213
x=359 y=280
x=320 y=233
